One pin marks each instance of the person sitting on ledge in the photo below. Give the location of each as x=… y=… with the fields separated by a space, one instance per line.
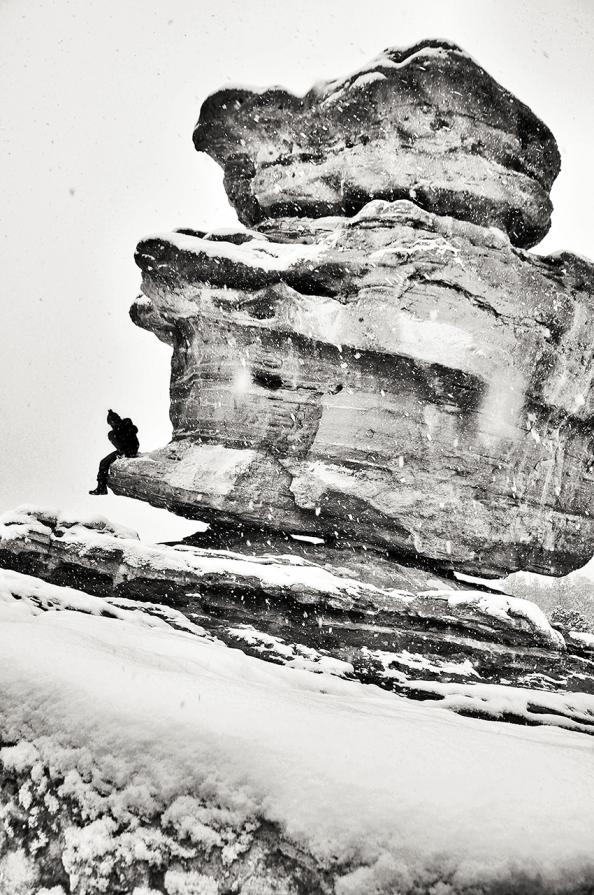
x=123 y=436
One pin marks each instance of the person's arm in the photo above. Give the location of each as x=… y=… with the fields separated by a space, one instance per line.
x=113 y=437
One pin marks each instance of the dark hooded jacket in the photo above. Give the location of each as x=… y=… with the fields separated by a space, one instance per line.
x=123 y=434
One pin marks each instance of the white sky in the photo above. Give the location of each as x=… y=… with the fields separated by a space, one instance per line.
x=98 y=100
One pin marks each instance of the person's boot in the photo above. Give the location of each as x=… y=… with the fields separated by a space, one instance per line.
x=99 y=490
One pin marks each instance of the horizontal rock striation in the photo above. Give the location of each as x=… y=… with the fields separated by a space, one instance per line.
x=425 y=123
x=323 y=610
x=396 y=378
x=139 y=755
x=125 y=714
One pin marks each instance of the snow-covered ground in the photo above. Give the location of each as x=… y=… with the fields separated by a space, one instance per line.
x=134 y=720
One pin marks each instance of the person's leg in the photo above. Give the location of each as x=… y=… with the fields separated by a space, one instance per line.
x=103 y=473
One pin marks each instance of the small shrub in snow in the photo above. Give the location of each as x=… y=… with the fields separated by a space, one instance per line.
x=570 y=620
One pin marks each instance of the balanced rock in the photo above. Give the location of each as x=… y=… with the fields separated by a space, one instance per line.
x=395 y=378
x=425 y=123
x=404 y=376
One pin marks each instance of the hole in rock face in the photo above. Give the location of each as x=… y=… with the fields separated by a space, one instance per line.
x=262 y=308
x=271 y=381
x=312 y=286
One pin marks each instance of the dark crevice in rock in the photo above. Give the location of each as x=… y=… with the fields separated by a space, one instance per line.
x=265 y=379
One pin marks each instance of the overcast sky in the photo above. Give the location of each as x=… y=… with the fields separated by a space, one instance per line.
x=97 y=106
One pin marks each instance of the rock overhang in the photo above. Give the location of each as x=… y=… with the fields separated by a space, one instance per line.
x=398 y=372
x=398 y=377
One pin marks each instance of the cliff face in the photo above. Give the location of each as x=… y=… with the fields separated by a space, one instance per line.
x=396 y=377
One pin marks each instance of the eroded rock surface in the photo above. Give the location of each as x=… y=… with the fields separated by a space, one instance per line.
x=96 y=613
x=137 y=758
x=369 y=368
x=395 y=378
x=425 y=123
x=322 y=609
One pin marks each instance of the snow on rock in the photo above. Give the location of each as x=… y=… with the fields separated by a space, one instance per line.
x=125 y=567
x=109 y=551
x=320 y=609
x=26 y=594
x=376 y=379
x=35 y=595
x=406 y=124
x=504 y=608
x=404 y=671
x=583 y=638
x=394 y=662
x=256 y=253
x=293 y=655
x=574 y=711
x=572 y=593
x=165 y=762
x=11 y=520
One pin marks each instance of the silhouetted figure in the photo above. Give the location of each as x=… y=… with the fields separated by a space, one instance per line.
x=123 y=436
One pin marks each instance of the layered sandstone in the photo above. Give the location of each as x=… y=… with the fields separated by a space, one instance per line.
x=315 y=608
x=395 y=378
x=396 y=373
x=424 y=123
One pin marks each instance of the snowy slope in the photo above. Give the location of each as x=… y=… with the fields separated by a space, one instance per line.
x=176 y=753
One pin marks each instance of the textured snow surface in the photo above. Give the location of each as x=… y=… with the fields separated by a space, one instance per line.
x=23 y=594
x=377 y=788
x=418 y=661
x=14 y=521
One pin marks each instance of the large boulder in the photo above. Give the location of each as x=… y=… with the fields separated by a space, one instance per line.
x=425 y=123
x=397 y=378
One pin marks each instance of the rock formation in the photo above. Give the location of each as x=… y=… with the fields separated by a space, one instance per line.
x=374 y=391
x=397 y=377
x=425 y=123
x=413 y=634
